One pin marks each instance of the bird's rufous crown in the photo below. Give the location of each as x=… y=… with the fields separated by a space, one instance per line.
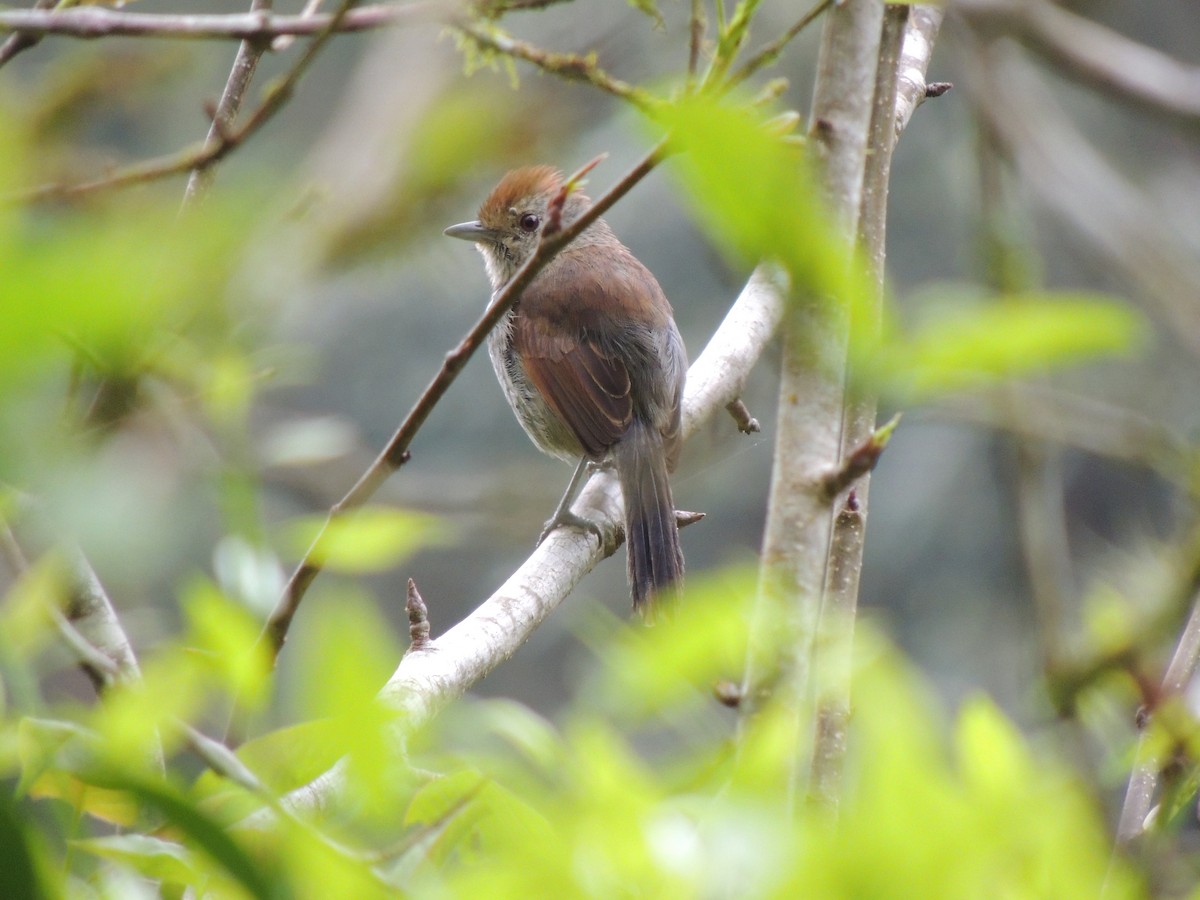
x=517 y=187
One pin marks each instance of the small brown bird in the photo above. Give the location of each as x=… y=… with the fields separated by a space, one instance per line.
x=591 y=363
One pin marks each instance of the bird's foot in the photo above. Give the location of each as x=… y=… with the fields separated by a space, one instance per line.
x=566 y=517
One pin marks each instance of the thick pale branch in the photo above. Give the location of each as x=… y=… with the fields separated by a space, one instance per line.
x=924 y=22
x=396 y=452
x=446 y=667
x=796 y=539
x=860 y=446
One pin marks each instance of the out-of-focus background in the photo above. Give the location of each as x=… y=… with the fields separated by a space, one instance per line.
x=348 y=296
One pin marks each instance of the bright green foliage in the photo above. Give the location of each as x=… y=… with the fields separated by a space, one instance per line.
x=643 y=785
x=367 y=540
x=597 y=813
x=966 y=345
x=753 y=192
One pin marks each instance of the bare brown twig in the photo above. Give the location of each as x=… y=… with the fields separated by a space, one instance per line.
x=226 y=113
x=99 y=22
x=770 y=53
x=20 y=41
x=571 y=66
x=220 y=143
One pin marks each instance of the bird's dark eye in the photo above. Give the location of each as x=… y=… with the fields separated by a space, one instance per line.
x=529 y=223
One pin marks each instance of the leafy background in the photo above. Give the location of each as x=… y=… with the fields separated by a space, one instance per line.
x=256 y=353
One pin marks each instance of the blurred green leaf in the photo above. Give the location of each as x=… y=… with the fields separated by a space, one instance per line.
x=58 y=760
x=972 y=346
x=349 y=653
x=283 y=759
x=153 y=857
x=753 y=191
x=117 y=284
x=137 y=721
x=224 y=636
x=258 y=878
x=658 y=671
x=25 y=617
x=22 y=873
x=368 y=540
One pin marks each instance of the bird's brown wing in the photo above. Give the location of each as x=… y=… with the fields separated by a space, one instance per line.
x=587 y=388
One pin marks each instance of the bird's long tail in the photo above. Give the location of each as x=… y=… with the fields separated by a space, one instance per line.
x=651 y=534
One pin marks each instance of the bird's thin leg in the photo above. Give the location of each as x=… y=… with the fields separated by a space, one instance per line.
x=562 y=513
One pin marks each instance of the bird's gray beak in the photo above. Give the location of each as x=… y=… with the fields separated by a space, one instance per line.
x=470 y=231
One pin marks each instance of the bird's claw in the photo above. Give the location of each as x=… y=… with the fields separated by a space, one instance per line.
x=568 y=518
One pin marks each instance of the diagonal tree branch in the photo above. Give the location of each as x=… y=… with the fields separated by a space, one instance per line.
x=446 y=667
x=396 y=453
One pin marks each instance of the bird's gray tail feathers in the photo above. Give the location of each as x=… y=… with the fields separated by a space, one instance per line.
x=651 y=534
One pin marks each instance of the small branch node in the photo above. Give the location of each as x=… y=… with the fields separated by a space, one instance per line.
x=684 y=518
x=418 y=618
x=859 y=462
x=937 y=88
x=746 y=423
x=728 y=693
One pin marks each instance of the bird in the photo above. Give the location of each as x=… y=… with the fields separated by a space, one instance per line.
x=592 y=364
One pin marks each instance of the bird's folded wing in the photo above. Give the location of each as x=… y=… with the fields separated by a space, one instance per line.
x=587 y=388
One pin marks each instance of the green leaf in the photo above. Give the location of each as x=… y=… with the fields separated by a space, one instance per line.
x=259 y=879
x=467 y=816
x=974 y=346
x=20 y=868
x=224 y=636
x=283 y=759
x=755 y=195
x=371 y=539
x=118 y=285
x=675 y=665
x=153 y=857
x=991 y=755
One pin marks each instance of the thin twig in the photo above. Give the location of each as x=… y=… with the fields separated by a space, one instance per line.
x=226 y=113
x=220 y=144
x=746 y=423
x=281 y=43
x=100 y=22
x=21 y=41
x=697 y=26
x=1147 y=768
x=396 y=453
x=769 y=54
x=570 y=66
